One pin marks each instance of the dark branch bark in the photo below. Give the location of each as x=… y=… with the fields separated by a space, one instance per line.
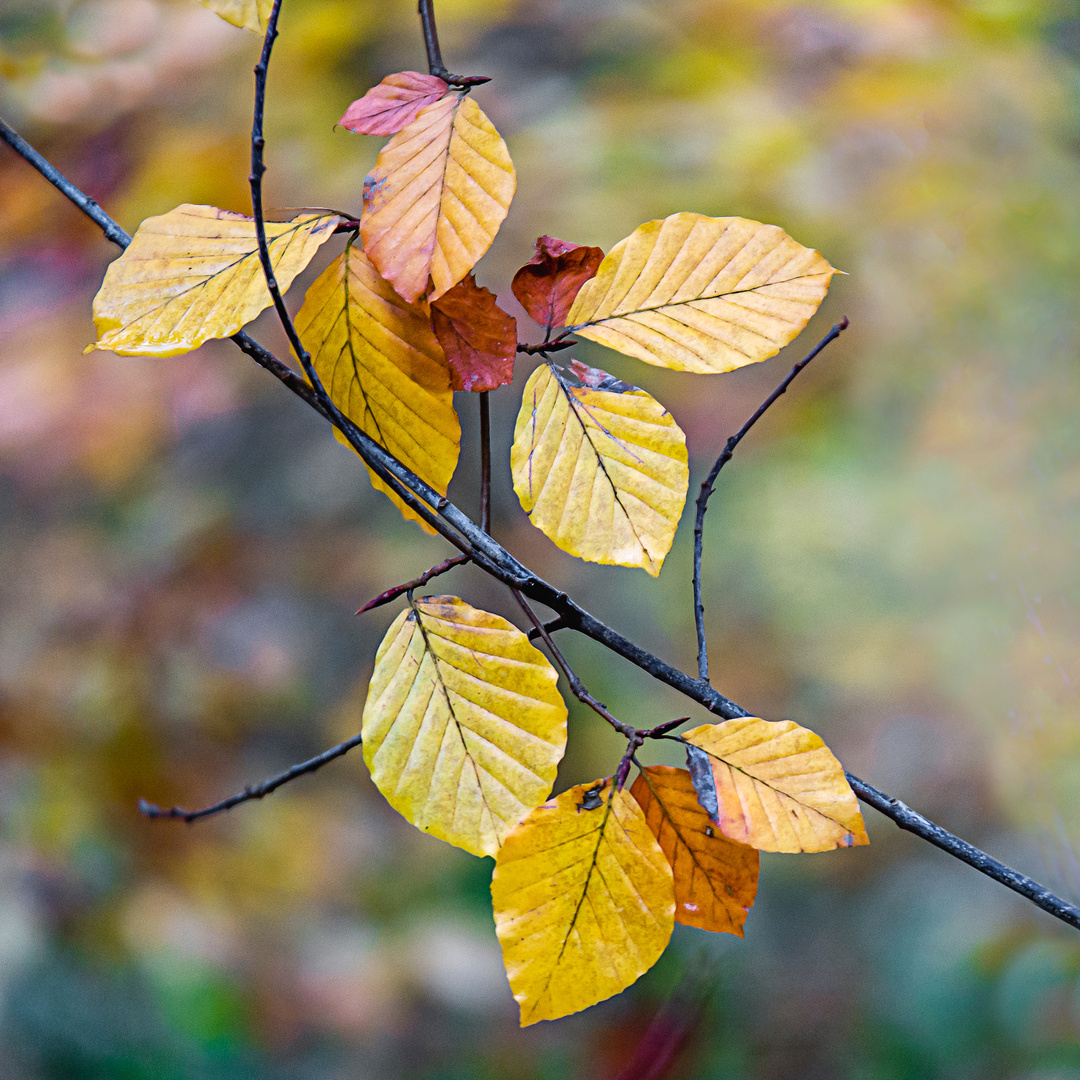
x=255 y=791
x=714 y=472
x=464 y=534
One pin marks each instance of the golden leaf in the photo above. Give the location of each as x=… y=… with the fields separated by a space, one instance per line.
x=379 y=361
x=716 y=879
x=776 y=786
x=194 y=274
x=584 y=902
x=463 y=726
x=601 y=472
x=249 y=14
x=439 y=191
x=701 y=294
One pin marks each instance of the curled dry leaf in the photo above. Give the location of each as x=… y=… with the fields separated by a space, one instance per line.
x=478 y=337
x=701 y=294
x=547 y=284
x=583 y=899
x=438 y=193
x=379 y=361
x=715 y=878
x=775 y=786
x=194 y=274
x=463 y=727
x=602 y=473
x=393 y=104
x=248 y=14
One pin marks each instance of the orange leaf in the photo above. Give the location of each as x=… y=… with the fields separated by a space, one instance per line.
x=394 y=104
x=478 y=337
x=439 y=191
x=547 y=284
x=715 y=878
x=775 y=786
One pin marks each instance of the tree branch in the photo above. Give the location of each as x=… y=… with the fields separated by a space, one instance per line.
x=255 y=791
x=463 y=533
x=714 y=472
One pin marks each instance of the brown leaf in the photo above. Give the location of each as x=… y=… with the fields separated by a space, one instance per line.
x=478 y=337
x=715 y=878
x=393 y=104
x=547 y=284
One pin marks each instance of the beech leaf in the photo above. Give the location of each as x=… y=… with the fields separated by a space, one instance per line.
x=439 y=191
x=547 y=284
x=478 y=337
x=601 y=472
x=775 y=786
x=194 y=274
x=463 y=726
x=379 y=361
x=248 y=14
x=583 y=899
x=716 y=879
x=701 y=294
x=393 y=104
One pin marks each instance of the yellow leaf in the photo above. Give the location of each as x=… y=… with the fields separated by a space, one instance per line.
x=463 y=726
x=439 y=191
x=379 y=361
x=584 y=902
x=716 y=879
x=194 y=274
x=701 y=294
x=602 y=473
x=776 y=786
x=249 y=14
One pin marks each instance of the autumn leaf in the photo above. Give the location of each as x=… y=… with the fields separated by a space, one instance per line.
x=602 y=473
x=701 y=294
x=478 y=337
x=248 y=14
x=438 y=193
x=715 y=878
x=583 y=899
x=393 y=104
x=379 y=361
x=463 y=726
x=775 y=786
x=547 y=284
x=194 y=274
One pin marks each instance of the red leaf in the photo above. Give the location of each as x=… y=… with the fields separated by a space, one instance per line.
x=393 y=104
x=547 y=284
x=478 y=337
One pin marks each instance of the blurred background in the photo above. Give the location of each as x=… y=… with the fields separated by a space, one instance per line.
x=892 y=557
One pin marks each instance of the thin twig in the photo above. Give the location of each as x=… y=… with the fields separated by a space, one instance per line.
x=577 y=687
x=544 y=347
x=485 y=462
x=500 y=564
x=255 y=791
x=434 y=53
x=710 y=480
x=416 y=583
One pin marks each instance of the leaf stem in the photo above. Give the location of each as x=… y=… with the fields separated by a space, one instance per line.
x=710 y=480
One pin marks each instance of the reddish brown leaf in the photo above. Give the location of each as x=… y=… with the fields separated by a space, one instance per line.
x=393 y=104
x=547 y=284
x=597 y=379
x=478 y=337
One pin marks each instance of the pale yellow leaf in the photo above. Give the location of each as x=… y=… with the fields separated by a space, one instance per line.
x=716 y=879
x=194 y=274
x=584 y=902
x=602 y=473
x=439 y=191
x=249 y=14
x=463 y=726
x=777 y=786
x=379 y=361
x=701 y=294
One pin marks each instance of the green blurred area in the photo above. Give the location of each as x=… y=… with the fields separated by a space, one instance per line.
x=892 y=557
